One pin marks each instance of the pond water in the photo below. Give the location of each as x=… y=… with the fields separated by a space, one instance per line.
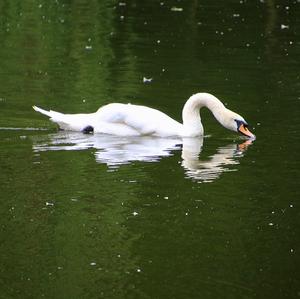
x=95 y=216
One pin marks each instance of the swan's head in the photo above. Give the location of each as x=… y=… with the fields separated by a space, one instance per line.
x=236 y=123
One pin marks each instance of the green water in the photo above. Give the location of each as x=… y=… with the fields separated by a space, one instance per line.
x=87 y=216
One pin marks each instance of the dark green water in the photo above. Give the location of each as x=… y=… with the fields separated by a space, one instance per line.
x=86 y=216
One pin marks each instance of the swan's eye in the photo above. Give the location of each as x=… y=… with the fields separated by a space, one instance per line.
x=238 y=122
x=241 y=123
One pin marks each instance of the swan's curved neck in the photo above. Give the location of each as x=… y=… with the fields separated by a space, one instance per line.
x=191 y=115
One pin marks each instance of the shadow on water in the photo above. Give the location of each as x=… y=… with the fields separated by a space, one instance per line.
x=116 y=151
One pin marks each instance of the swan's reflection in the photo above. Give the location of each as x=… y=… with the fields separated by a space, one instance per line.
x=209 y=170
x=115 y=151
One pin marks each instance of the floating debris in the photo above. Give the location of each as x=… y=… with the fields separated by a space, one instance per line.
x=282 y=26
x=174 y=8
x=147 y=80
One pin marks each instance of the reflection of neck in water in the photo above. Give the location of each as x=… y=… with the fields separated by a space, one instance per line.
x=115 y=151
x=209 y=170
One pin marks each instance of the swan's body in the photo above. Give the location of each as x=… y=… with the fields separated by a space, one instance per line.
x=135 y=120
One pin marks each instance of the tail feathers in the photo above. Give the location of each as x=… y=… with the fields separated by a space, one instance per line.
x=70 y=122
x=52 y=114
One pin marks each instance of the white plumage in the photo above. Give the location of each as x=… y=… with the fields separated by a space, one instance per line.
x=134 y=120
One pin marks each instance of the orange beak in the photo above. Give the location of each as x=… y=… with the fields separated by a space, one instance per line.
x=243 y=129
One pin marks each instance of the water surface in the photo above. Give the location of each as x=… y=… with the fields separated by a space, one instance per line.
x=93 y=216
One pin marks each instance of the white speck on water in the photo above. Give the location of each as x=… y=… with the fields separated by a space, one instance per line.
x=271 y=224
x=138 y=270
x=236 y=15
x=49 y=203
x=282 y=26
x=135 y=213
x=122 y=18
x=178 y=9
x=147 y=80
x=93 y=263
x=291 y=206
x=59 y=268
x=88 y=47
x=158 y=41
x=292 y=250
x=122 y=4
x=166 y=197
x=186 y=214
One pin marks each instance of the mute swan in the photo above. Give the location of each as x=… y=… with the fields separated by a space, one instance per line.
x=134 y=120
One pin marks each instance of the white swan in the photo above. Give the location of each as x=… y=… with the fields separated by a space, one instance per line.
x=134 y=120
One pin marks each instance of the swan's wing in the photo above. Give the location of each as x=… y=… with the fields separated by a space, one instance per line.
x=137 y=120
